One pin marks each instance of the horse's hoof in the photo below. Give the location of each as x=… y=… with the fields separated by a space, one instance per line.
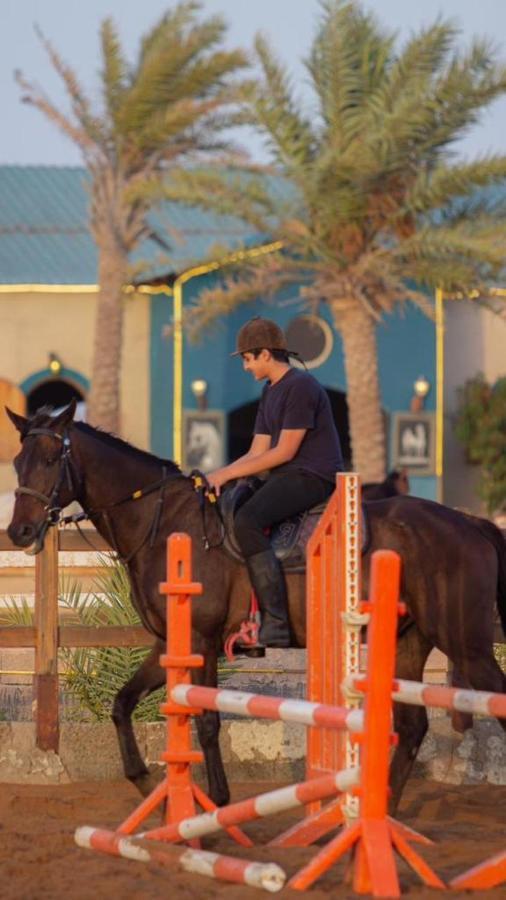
x=149 y=780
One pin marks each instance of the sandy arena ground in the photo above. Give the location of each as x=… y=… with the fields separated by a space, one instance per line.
x=39 y=861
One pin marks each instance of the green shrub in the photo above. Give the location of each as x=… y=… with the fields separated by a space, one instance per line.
x=94 y=675
x=481 y=426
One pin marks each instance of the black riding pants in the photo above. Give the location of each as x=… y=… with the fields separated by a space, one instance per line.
x=284 y=494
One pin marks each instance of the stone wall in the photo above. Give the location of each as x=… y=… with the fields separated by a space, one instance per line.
x=252 y=751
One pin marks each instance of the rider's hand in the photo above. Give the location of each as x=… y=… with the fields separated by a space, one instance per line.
x=216 y=480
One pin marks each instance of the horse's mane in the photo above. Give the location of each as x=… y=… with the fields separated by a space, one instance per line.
x=43 y=418
x=117 y=443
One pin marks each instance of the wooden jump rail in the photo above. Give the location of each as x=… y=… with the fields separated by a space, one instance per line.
x=373 y=835
x=47 y=635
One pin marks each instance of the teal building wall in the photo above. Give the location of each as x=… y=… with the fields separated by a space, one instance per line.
x=406 y=349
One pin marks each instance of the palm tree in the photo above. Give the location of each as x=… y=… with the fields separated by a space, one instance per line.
x=174 y=102
x=380 y=210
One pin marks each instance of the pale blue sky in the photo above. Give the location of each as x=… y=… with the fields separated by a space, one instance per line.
x=72 y=25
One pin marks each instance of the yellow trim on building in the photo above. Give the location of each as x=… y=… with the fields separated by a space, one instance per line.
x=439 y=390
x=80 y=289
x=194 y=272
x=48 y=288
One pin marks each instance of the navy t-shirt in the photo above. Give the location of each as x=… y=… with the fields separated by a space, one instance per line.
x=298 y=400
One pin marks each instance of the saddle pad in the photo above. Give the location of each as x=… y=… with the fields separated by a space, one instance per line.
x=288 y=538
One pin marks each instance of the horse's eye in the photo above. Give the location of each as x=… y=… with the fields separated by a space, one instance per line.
x=50 y=462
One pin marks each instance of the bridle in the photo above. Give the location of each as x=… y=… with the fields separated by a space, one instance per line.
x=51 y=502
x=53 y=508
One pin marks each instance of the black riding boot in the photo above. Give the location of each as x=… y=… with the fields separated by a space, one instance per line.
x=268 y=581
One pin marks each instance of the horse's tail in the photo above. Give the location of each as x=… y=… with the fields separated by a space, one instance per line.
x=498 y=540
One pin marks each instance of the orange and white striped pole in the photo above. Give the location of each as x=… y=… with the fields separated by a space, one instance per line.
x=486 y=875
x=373 y=836
x=260 y=706
x=482 y=703
x=267 y=804
x=268 y=876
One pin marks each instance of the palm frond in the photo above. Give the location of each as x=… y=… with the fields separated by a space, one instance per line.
x=178 y=62
x=94 y=675
x=437 y=187
x=89 y=123
x=34 y=96
x=114 y=70
x=245 y=197
x=349 y=57
x=16 y=611
x=289 y=133
x=471 y=82
x=410 y=75
x=262 y=278
x=173 y=21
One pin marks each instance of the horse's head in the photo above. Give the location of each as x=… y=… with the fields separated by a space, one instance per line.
x=46 y=477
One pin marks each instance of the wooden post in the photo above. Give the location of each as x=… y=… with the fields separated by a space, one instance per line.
x=46 y=647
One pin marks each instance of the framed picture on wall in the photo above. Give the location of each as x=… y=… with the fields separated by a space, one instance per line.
x=203 y=439
x=413 y=442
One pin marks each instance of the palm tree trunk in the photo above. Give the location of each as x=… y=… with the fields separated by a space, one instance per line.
x=367 y=435
x=104 y=396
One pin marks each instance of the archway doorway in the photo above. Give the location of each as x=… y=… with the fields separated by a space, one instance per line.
x=55 y=392
x=241 y=422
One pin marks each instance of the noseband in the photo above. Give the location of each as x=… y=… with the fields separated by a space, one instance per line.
x=51 y=505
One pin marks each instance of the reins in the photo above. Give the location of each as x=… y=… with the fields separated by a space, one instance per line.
x=54 y=510
x=205 y=493
x=152 y=529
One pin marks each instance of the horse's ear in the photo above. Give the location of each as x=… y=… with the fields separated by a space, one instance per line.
x=65 y=416
x=18 y=421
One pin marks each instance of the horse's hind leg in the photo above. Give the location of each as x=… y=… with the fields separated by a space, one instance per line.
x=208 y=730
x=148 y=677
x=410 y=722
x=483 y=673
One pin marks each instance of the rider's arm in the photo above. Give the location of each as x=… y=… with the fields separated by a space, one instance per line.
x=260 y=444
x=268 y=458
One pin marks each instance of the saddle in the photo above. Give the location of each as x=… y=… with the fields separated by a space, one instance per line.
x=288 y=538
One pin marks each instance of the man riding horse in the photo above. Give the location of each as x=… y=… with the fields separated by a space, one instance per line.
x=295 y=438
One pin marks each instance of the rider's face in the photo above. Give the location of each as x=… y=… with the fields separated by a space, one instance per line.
x=257 y=365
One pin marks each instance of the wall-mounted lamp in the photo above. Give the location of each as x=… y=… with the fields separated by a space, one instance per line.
x=199 y=390
x=421 y=388
x=55 y=364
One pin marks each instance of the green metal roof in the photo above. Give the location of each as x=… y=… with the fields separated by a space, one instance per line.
x=44 y=235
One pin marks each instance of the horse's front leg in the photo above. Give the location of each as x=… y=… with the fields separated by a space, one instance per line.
x=208 y=726
x=148 y=677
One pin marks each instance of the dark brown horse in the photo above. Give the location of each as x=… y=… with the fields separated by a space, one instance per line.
x=396 y=482
x=454 y=572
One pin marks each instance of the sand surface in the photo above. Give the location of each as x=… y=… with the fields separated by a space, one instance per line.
x=38 y=857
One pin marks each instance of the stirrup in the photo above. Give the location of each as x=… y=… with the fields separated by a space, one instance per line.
x=254 y=651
